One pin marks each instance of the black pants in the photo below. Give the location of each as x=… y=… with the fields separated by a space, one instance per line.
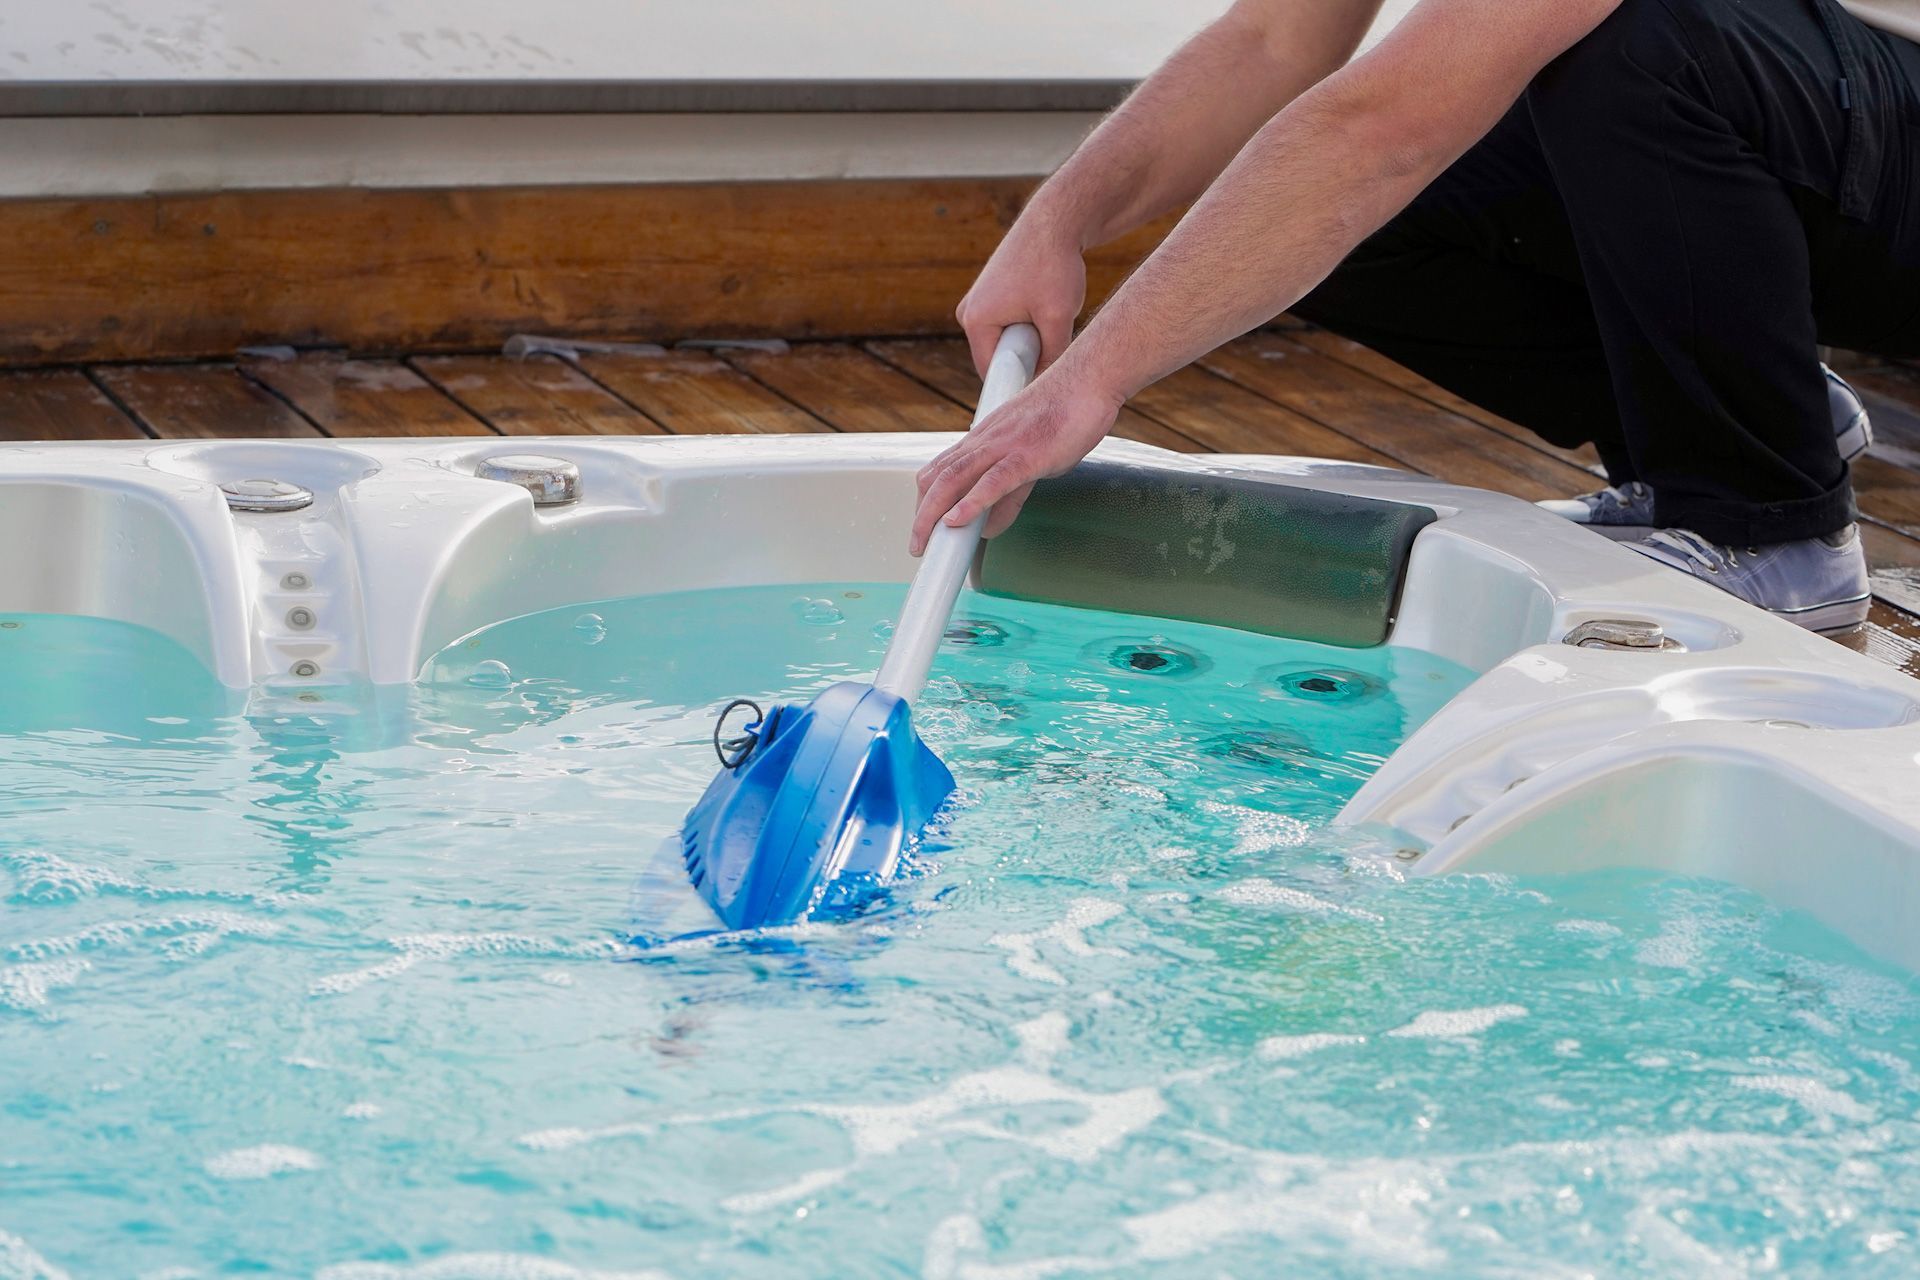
x=1647 y=250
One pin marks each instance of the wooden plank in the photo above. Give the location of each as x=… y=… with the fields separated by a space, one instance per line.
x=1371 y=362
x=1414 y=432
x=1887 y=493
x=850 y=389
x=537 y=396
x=1890 y=636
x=179 y=275
x=201 y=401
x=1229 y=418
x=946 y=365
x=363 y=398
x=60 y=404
x=694 y=393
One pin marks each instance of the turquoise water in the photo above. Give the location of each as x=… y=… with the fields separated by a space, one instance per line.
x=343 y=987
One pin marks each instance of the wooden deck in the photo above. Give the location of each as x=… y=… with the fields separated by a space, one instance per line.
x=1289 y=390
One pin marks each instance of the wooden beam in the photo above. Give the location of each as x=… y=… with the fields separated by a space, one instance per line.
x=183 y=275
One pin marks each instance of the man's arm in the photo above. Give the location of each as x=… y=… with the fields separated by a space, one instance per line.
x=1324 y=174
x=1156 y=152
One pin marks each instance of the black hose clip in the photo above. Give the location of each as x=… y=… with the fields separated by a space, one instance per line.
x=733 y=752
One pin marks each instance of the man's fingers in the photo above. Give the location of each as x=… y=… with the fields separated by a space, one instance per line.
x=925 y=477
x=1007 y=510
x=1056 y=331
x=1001 y=479
x=981 y=340
x=947 y=487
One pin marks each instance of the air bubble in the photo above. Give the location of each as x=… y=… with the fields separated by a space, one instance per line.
x=883 y=629
x=491 y=674
x=591 y=627
x=977 y=633
x=818 y=613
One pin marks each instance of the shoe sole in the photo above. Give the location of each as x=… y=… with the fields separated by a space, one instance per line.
x=1840 y=615
x=1856 y=439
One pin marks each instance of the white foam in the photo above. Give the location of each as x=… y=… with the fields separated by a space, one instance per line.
x=1257 y=892
x=1259 y=830
x=360 y=1110
x=118 y=933
x=1589 y=928
x=1821 y=1099
x=566 y=1136
x=265 y=1161
x=880 y=1129
x=25 y=986
x=1068 y=933
x=953 y=1238
x=419 y=947
x=1043 y=1038
x=1274 y=1048
x=1452 y=1023
x=479 y=1266
x=1375 y=1211
x=19 y=1261
x=1678 y=945
x=47 y=877
x=799 y=1189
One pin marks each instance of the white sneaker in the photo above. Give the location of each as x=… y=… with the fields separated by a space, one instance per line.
x=1819 y=583
x=1623 y=512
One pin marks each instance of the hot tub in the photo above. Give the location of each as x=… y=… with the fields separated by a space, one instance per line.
x=329 y=771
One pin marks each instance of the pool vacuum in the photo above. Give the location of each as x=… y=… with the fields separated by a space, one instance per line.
x=815 y=804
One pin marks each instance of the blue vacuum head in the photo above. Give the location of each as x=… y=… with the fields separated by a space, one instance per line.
x=813 y=808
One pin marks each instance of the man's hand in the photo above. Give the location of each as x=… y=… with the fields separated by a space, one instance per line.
x=1041 y=432
x=1036 y=277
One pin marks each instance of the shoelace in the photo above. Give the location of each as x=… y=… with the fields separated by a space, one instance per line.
x=1708 y=555
x=1620 y=497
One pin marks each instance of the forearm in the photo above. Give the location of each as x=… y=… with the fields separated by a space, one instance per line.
x=1292 y=205
x=1177 y=131
x=1320 y=177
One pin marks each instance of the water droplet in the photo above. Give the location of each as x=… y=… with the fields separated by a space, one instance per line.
x=591 y=627
x=491 y=674
x=883 y=629
x=818 y=613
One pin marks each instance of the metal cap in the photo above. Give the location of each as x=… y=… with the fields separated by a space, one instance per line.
x=1620 y=633
x=266 y=495
x=553 y=482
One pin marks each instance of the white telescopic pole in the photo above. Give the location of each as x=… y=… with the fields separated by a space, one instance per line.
x=949 y=553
